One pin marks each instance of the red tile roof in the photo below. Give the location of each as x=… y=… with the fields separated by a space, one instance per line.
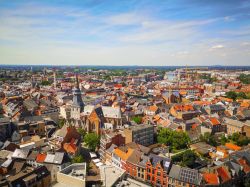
x=211 y=178
x=70 y=148
x=233 y=146
x=214 y=121
x=223 y=173
x=245 y=165
x=41 y=157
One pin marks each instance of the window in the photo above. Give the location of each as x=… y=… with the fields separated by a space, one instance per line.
x=158 y=173
x=148 y=177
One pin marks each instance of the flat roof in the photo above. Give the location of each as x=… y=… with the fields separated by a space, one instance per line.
x=110 y=174
x=77 y=170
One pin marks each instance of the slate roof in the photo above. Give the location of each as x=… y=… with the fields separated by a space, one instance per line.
x=187 y=175
x=32 y=155
x=232 y=122
x=233 y=166
x=111 y=112
x=6 y=163
x=4 y=120
x=58 y=159
x=111 y=148
x=49 y=158
x=18 y=153
x=165 y=162
x=143 y=160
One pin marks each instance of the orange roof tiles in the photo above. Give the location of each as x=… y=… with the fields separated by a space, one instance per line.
x=233 y=146
x=153 y=108
x=223 y=173
x=245 y=104
x=214 y=121
x=194 y=126
x=164 y=123
x=123 y=155
x=184 y=107
x=156 y=117
x=70 y=148
x=118 y=86
x=245 y=165
x=211 y=178
x=202 y=102
x=183 y=92
x=41 y=157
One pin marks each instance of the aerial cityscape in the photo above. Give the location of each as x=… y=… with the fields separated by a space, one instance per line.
x=134 y=93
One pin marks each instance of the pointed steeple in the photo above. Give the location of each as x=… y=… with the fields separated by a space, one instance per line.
x=54 y=74
x=77 y=96
x=76 y=81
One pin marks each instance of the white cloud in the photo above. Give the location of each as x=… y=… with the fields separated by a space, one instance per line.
x=229 y=18
x=38 y=35
x=217 y=47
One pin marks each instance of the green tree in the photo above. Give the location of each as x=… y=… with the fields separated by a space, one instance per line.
x=223 y=140
x=239 y=139
x=231 y=95
x=82 y=132
x=92 y=140
x=137 y=119
x=209 y=139
x=235 y=136
x=174 y=139
x=61 y=122
x=241 y=95
x=180 y=140
x=77 y=159
x=186 y=158
x=45 y=83
x=245 y=79
x=165 y=136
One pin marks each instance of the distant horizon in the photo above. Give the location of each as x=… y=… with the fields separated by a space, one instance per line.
x=113 y=33
x=29 y=65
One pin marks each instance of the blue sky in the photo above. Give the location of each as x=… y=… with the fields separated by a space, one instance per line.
x=125 y=32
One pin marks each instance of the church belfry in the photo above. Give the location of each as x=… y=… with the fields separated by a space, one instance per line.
x=77 y=105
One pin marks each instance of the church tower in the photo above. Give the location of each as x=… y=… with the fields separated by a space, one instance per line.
x=54 y=75
x=77 y=105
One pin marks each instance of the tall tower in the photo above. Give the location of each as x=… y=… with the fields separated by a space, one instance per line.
x=77 y=105
x=54 y=74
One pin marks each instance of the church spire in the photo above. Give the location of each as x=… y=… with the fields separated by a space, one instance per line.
x=76 y=81
x=77 y=96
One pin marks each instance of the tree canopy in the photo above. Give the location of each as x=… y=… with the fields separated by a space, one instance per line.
x=61 y=122
x=186 y=158
x=137 y=119
x=92 y=140
x=174 y=139
x=77 y=159
x=45 y=83
x=244 y=78
x=237 y=95
x=209 y=139
x=82 y=132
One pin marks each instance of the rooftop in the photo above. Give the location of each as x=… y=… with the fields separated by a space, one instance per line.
x=77 y=170
x=111 y=174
